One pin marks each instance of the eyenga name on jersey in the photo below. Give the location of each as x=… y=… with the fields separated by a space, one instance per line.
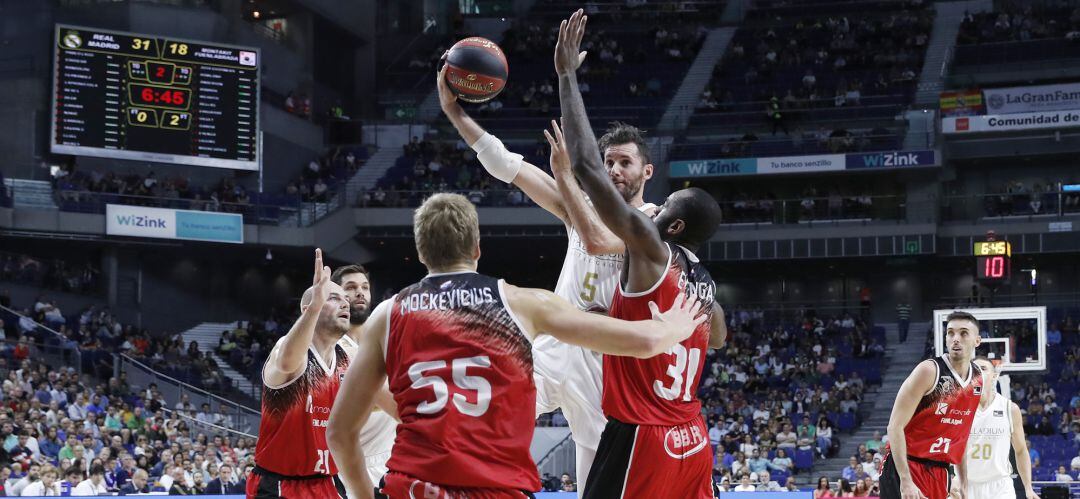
x=446 y=300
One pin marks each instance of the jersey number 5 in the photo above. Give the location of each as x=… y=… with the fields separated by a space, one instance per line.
x=589 y=287
x=464 y=382
x=681 y=372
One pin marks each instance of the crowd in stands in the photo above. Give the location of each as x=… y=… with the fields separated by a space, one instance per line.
x=324 y=175
x=1032 y=198
x=75 y=186
x=56 y=273
x=1019 y=21
x=62 y=434
x=777 y=395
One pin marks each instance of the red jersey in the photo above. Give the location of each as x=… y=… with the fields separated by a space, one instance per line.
x=941 y=425
x=661 y=390
x=292 y=431
x=460 y=368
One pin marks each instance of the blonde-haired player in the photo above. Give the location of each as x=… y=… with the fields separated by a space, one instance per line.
x=997 y=427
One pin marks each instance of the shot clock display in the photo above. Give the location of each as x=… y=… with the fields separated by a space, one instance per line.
x=143 y=97
x=993 y=260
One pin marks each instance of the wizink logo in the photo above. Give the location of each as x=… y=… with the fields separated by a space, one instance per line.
x=142 y=221
x=890 y=159
x=698 y=168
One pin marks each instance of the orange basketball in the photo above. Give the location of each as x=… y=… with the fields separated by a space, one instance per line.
x=476 y=69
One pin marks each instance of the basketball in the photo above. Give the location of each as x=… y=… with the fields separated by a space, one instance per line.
x=476 y=69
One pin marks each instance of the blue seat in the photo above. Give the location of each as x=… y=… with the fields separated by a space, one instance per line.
x=804 y=459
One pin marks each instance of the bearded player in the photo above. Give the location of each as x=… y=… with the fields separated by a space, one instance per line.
x=997 y=429
x=932 y=417
x=456 y=347
x=377 y=436
x=655 y=443
x=301 y=377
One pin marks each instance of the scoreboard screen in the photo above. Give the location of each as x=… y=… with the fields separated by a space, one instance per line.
x=142 y=97
x=993 y=260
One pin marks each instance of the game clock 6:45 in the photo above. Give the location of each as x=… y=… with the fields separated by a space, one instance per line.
x=158 y=96
x=993 y=260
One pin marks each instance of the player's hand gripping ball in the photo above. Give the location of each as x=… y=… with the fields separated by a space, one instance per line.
x=476 y=69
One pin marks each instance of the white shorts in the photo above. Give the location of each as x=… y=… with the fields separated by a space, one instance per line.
x=571 y=378
x=997 y=489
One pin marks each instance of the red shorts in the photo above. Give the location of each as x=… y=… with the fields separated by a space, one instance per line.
x=400 y=486
x=932 y=479
x=266 y=486
x=658 y=462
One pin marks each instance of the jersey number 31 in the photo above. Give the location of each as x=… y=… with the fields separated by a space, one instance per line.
x=463 y=381
x=681 y=372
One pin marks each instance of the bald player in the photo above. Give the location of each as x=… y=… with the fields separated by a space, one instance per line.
x=301 y=378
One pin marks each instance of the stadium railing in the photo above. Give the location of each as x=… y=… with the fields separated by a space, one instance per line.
x=238 y=416
x=52 y=345
x=1031 y=54
x=1005 y=207
x=790 y=145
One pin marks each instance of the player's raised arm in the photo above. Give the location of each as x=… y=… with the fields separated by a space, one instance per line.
x=288 y=358
x=597 y=238
x=543 y=312
x=635 y=229
x=1019 y=444
x=365 y=378
x=911 y=392
x=495 y=158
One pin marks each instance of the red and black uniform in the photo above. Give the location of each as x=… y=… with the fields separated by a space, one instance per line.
x=291 y=457
x=656 y=443
x=460 y=367
x=937 y=434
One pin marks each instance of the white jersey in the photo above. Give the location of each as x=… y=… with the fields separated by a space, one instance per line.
x=567 y=376
x=990 y=441
x=377 y=435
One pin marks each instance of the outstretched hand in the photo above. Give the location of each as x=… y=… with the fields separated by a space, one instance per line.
x=560 y=159
x=319 y=282
x=684 y=315
x=568 y=56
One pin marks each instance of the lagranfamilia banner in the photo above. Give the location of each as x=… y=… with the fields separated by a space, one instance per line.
x=1059 y=97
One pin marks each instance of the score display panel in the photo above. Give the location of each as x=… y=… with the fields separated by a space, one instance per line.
x=143 y=97
x=993 y=260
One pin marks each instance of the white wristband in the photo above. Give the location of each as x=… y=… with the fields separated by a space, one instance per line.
x=500 y=163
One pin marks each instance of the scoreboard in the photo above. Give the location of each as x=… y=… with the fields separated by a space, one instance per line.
x=993 y=260
x=143 y=97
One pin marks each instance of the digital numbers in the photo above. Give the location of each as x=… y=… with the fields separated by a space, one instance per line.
x=992 y=268
x=991 y=248
x=941 y=446
x=462 y=380
x=178 y=48
x=142 y=117
x=175 y=120
x=140 y=44
x=155 y=96
x=983 y=452
x=682 y=373
x=589 y=286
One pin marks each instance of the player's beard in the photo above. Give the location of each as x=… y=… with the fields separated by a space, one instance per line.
x=357 y=315
x=630 y=187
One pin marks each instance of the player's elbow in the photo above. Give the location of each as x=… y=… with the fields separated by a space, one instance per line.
x=337 y=436
x=595 y=247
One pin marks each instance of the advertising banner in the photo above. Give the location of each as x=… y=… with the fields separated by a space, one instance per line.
x=1009 y=100
x=163 y=223
x=891 y=159
x=961 y=103
x=1011 y=122
x=713 y=167
x=801 y=164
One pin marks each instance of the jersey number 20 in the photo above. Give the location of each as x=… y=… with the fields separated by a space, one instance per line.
x=681 y=372
x=461 y=380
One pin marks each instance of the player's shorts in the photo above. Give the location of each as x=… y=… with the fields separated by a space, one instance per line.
x=931 y=477
x=265 y=484
x=570 y=377
x=402 y=486
x=657 y=462
x=998 y=489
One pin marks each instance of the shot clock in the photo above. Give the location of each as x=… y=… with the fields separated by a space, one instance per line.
x=144 y=97
x=993 y=260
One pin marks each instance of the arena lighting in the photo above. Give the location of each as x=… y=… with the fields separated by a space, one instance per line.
x=255 y=14
x=269 y=255
x=1071 y=188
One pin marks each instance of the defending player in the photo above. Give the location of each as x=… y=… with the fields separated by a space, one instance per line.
x=377 y=436
x=654 y=440
x=998 y=427
x=301 y=377
x=568 y=376
x=457 y=349
x=932 y=417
